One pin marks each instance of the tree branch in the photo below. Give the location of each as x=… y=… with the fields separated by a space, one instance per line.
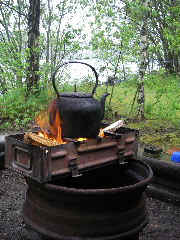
x=12 y=8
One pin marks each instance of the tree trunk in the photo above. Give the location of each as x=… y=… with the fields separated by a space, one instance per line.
x=33 y=44
x=143 y=63
x=48 y=31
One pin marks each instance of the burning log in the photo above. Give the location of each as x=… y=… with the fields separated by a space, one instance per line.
x=35 y=139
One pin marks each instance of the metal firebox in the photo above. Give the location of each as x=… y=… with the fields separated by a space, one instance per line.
x=43 y=163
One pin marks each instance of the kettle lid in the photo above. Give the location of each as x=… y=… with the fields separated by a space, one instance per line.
x=76 y=95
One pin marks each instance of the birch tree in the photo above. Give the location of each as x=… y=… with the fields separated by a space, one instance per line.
x=138 y=12
x=143 y=60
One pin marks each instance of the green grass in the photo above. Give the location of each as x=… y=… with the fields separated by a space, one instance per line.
x=162 y=98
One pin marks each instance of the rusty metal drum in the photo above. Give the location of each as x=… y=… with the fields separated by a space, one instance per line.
x=103 y=204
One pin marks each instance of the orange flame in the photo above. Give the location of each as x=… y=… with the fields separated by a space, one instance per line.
x=43 y=122
x=101 y=133
x=55 y=122
x=50 y=125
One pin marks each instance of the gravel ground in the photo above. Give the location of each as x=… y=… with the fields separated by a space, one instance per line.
x=164 y=218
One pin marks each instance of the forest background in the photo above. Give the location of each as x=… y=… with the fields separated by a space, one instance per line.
x=133 y=44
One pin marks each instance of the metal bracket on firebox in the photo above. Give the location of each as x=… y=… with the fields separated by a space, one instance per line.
x=121 y=158
x=73 y=166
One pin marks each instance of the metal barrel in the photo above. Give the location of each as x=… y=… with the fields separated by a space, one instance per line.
x=103 y=204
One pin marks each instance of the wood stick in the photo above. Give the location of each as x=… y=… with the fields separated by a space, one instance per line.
x=33 y=137
x=114 y=126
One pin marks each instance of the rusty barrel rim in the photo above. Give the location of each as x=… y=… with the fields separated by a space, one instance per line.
x=91 y=214
x=101 y=191
x=47 y=233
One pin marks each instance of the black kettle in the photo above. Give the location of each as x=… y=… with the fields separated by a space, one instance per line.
x=80 y=113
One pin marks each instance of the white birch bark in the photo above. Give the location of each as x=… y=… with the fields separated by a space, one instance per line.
x=143 y=62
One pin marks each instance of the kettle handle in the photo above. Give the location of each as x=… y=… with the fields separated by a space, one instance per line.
x=58 y=67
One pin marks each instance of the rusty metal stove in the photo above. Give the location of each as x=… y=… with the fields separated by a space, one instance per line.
x=91 y=190
x=43 y=163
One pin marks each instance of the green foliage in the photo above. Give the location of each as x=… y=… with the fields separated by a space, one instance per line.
x=115 y=30
x=109 y=114
x=118 y=26
x=114 y=40
x=20 y=112
x=163 y=97
x=13 y=66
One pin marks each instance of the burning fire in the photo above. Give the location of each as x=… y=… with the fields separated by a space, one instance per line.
x=48 y=130
x=101 y=133
x=50 y=125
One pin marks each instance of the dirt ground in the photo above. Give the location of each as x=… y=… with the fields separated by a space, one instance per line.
x=164 y=218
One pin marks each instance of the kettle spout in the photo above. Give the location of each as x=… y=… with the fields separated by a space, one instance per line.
x=102 y=102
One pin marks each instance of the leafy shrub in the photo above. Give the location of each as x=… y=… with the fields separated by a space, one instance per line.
x=20 y=111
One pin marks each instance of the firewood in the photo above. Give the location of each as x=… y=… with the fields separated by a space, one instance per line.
x=35 y=139
x=114 y=126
